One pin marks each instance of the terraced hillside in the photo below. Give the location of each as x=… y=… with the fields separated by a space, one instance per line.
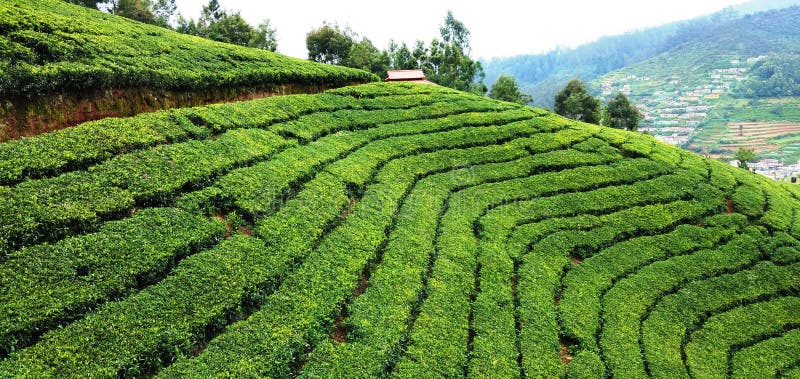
x=388 y=230
x=61 y=64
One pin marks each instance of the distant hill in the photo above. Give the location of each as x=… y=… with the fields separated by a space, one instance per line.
x=743 y=70
x=543 y=75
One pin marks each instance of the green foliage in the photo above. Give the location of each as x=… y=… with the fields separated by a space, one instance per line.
x=506 y=89
x=388 y=230
x=586 y=365
x=622 y=114
x=707 y=353
x=573 y=102
x=775 y=76
x=93 y=268
x=221 y=25
x=86 y=3
x=744 y=155
x=329 y=44
x=156 y=12
x=84 y=50
x=687 y=47
x=445 y=61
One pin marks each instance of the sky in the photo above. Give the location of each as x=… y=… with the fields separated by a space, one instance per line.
x=498 y=28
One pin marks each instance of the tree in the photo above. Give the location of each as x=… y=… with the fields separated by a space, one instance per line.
x=454 y=31
x=212 y=12
x=156 y=12
x=573 y=102
x=231 y=29
x=163 y=11
x=138 y=10
x=743 y=156
x=506 y=89
x=86 y=3
x=400 y=57
x=329 y=44
x=365 y=56
x=448 y=62
x=264 y=37
x=218 y=24
x=622 y=114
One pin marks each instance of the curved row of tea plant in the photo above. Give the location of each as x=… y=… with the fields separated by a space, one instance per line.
x=52 y=46
x=390 y=230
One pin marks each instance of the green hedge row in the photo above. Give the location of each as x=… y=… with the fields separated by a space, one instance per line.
x=495 y=299
x=47 y=209
x=259 y=189
x=586 y=365
x=664 y=328
x=88 y=143
x=285 y=233
x=204 y=293
x=780 y=211
x=376 y=320
x=373 y=90
x=93 y=142
x=374 y=317
x=709 y=347
x=46 y=285
x=749 y=200
x=541 y=269
x=300 y=313
x=782 y=248
x=54 y=46
x=314 y=126
x=140 y=333
x=438 y=341
x=629 y=301
x=768 y=358
x=583 y=286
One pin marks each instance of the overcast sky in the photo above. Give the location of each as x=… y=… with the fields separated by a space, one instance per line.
x=498 y=27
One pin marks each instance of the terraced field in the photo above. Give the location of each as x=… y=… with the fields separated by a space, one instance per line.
x=388 y=230
x=759 y=136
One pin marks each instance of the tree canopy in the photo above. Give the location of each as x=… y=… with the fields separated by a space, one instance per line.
x=622 y=114
x=330 y=44
x=774 y=76
x=445 y=61
x=156 y=12
x=448 y=62
x=218 y=24
x=506 y=89
x=574 y=102
x=744 y=155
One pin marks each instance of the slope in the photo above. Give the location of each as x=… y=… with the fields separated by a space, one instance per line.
x=389 y=230
x=689 y=94
x=542 y=75
x=62 y=63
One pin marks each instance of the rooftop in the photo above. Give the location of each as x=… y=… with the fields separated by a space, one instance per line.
x=415 y=76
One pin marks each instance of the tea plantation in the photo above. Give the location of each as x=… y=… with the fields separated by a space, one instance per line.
x=388 y=230
x=50 y=46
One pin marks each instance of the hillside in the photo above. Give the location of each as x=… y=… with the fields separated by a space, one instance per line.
x=61 y=64
x=388 y=230
x=695 y=95
x=543 y=75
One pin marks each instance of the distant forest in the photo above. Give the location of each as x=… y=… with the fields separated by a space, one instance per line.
x=776 y=76
x=544 y=74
